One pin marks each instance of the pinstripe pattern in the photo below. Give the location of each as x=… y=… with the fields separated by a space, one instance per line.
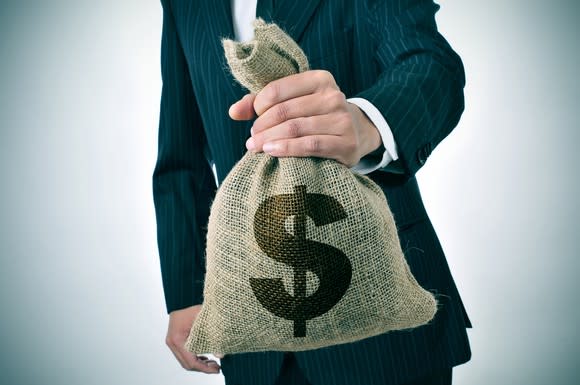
x=290 y=373
x=400 y=64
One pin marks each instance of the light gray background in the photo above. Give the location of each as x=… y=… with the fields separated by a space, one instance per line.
x=80 y=286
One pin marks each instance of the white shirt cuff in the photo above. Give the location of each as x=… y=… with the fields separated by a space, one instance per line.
x=367 y=165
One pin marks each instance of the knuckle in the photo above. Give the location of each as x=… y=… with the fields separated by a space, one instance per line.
x=328 y=79
x=173 y=341
x=344 y=120
x=272 y=92
x=294 y=128
x=322 y=76
x=312 y=144
x=283 y=147
x=337 y=99
x=339 y=96
x=282 y=112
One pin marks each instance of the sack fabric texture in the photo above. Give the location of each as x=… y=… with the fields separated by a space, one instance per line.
x=302 y=253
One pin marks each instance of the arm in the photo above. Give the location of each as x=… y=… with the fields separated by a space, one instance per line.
x=420 y=87
x=387 y=151
x=183 y=186
x=419 y=91
x=183 y=183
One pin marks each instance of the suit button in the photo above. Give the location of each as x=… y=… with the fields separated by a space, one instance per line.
x=424 y=153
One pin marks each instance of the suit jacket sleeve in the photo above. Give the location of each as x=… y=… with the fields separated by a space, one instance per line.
x=420 y=87
x=183 y=184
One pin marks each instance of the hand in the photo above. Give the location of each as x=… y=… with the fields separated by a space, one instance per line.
x=306 y=114
x=180 y=322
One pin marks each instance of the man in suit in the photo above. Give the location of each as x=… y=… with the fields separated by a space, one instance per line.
x=385 y=89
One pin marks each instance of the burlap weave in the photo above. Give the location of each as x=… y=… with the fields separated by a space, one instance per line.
x=301 y=253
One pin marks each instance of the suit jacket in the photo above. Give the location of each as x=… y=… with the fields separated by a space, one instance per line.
x=386 y=51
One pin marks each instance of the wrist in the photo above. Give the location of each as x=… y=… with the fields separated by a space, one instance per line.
x=370 y=140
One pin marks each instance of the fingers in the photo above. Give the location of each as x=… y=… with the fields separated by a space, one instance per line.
x=320 y=113
x=243 y=109
x=210 y=363
x=304 y=115
x=180 y=322
x=292 y=86
x=190 y=361
x=280 y=90
x=309 y=105
x=331 y=124
x=322 y=146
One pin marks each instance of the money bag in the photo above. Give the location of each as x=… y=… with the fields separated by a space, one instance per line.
x=302 y=253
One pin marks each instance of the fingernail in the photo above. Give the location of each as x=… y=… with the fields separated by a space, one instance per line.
x=252 y=130
x=250 y=145
x=213 y=364
x=269 y=147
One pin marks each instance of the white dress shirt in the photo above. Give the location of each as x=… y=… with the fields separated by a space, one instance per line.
x=244 y=12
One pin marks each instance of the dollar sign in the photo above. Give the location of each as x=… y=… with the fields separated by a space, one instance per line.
x=332 y=267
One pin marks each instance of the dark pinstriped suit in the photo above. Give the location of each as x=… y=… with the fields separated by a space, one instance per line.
x=388 y=52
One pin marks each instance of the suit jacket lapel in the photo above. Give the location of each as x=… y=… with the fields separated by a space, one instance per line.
x=293 y=16
x=219 y=15
x=220 y=25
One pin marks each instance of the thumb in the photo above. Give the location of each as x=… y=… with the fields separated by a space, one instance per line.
x=243 y=109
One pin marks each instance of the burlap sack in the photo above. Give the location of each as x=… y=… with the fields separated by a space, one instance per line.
x=301 y=252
